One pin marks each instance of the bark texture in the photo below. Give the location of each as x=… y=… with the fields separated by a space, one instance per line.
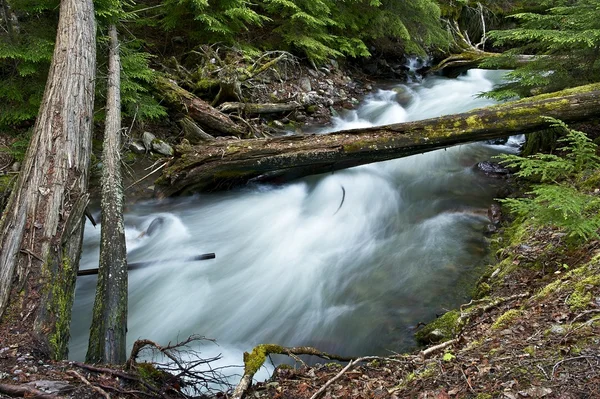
x=208 y=117
x=42 y=227
x=251 y=108
x=109 y=322
x=223 y=164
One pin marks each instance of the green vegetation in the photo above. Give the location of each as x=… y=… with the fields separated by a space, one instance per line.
x=564 y=36
x=560 y=199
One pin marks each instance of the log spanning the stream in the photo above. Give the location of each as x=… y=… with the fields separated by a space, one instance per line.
x=222 y=164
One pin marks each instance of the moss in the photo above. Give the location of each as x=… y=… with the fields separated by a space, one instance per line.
x=483 y=396
x=441 y=329
x=59 y=305
x=530 y=350
x=551 y=288
x=506 y=319
x=253 y=361
x=580 y=299
x=148 y=373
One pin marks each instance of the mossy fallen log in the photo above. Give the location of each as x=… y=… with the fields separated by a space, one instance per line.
x=454 y=64
x=223 y=164
x=208 y=117
x=267 y=108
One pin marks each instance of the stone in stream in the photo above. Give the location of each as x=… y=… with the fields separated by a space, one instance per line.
x=403 y=95
x=162 y=148
x=492 y=169
x=147 y=139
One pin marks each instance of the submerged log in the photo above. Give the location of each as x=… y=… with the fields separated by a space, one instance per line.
x=204 y=114
x=223 y=164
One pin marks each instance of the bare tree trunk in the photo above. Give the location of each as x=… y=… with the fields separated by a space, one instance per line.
x=223 y=164
x=109 y=322
x=42 y=228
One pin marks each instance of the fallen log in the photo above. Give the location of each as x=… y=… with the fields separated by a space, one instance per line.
x=251 y=108
x=472 y=58
x=199 y=110
x=222 y=164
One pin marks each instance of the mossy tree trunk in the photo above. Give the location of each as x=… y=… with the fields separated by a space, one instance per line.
x=109 y=320
x=42 y=228
x=222 y=164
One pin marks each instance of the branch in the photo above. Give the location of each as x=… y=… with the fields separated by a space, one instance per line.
x=25 y=391
x=86 y=382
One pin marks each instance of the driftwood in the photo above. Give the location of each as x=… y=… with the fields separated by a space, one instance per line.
x=223 y=164
x=251 y=108
x=193 y=132
x=199 y=110
x=472 y=58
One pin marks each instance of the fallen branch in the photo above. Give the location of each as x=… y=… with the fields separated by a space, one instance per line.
x=341 y=373
x=101 y=391
x=267 y=108
x=435 y=348
x=253 y=362
x=26 y=391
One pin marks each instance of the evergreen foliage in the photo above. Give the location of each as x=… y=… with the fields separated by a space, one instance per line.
x=26 y=46
x=559 y=200
x=565 y=37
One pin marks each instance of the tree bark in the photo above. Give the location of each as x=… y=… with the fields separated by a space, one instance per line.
x=209 y=118
x=42 y=227
x=221 y=165
x=454 y=64
x=109 y=322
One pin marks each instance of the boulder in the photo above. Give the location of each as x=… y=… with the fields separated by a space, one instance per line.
x=147 y=139
x=137 y=147
x=162 y=148
x=492 y=169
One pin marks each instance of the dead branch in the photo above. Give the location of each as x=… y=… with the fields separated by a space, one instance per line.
x=341 y=373
x=557 y=365
x=26 y=391
x=253 y=362
x=435 y=348
x=101 y=391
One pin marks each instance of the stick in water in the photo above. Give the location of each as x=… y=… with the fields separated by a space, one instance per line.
x=139 y=265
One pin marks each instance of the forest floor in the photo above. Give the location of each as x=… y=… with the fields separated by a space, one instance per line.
x=532 y=329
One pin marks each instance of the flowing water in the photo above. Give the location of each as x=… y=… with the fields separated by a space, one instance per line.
x=348 y=262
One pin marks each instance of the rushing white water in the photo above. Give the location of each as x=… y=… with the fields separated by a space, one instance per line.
x=295 y=268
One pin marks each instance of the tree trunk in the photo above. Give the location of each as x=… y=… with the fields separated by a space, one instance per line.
x=209 y=118
x=42 y=228
x=223 y=164
x=109 y=322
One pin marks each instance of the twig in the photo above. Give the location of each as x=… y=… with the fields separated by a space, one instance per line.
x=544 y=371
x=568 y=360
x=151 y=173
x=341 y=373
x=467 y=380
x=430 y=350
x=86 y=382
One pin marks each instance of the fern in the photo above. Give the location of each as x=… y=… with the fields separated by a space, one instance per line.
x=559 y=203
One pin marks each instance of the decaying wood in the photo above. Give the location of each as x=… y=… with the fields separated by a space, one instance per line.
x=26 y=392
x=109 y=321
x=472 y=58
x=193 y=132
x=42 y=228
x=253 y=362
x=267 y=108
x=208 y=117
x=223 y=164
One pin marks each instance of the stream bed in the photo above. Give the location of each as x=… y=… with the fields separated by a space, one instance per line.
x=348 y=262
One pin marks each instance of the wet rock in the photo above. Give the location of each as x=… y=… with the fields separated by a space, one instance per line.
x=304 y=84
x=137 y=147
x=162 y=148
x=300 y=117
x=495 y=214
x=492 y=169
x=147 y=139
x=499 y=141
x=278 y=124
x=403 y=95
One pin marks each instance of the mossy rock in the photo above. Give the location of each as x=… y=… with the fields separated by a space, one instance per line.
x=442 y=329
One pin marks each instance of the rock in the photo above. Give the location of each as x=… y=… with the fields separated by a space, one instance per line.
x=300 y=117
x=50 y=386
x=15 y=167
x=495 y=214
x=492 y=169
x=313 y=73
x=137 y=147
x=334 y=64
x=278 y=124
x=557 y=329
x=162 y=148
x=403 y=95
x=500 y=141
x=304 y=84
x=147 y=139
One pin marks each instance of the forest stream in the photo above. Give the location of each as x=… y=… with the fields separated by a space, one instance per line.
x=348 y=262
